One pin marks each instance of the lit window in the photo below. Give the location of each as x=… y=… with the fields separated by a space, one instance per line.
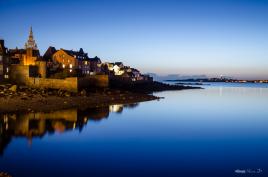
x=63 y=65
x=71 y=66
x=71 y=70
x=7 y=70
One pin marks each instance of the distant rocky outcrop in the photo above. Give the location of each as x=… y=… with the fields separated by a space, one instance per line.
x=146 y=87
x=175 y=77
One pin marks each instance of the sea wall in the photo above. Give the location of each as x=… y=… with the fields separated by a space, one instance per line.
x=68 y=84
x=28 y=75
x=19 y=74
x=100 y=81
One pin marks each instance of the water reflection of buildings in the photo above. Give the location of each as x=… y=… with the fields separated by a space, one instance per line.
x=118 y=108
x=31 y=125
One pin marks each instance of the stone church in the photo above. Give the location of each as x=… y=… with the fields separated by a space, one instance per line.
x=26 y=56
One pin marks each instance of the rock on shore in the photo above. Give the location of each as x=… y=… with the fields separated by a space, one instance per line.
x=20 y=98
x=146 y=87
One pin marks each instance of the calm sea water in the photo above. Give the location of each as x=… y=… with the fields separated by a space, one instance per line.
x=218 y=131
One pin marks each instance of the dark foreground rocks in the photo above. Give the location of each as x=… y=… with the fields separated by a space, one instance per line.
x=3 y=174
x=15 y=98
x=23 y=99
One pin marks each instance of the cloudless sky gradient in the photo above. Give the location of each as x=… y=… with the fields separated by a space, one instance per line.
x=212 y=37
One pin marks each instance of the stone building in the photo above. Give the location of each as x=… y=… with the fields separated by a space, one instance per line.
x=4 y=69
x=95 y=65
x=72 y=61
x=116 y=68
x=26 y=56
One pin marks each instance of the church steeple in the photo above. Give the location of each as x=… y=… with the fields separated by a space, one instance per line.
x=31 y=33
x=31 y=42
x=32 y=52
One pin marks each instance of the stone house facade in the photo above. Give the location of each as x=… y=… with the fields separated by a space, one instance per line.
x=4 y=69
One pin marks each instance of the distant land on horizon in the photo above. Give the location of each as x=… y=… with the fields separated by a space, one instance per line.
x=159 y=77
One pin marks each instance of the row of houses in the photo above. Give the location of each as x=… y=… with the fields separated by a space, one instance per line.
x=73 y=62
x=62 y=61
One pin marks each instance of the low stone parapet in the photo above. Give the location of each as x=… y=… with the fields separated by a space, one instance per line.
x=68 y=84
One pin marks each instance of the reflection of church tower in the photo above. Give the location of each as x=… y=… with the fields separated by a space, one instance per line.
x=32 y=52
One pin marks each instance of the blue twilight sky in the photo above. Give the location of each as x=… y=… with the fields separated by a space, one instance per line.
x=212 y=37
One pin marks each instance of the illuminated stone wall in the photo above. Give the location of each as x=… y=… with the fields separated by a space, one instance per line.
x=27 y=75
x=69 y=84
x=42 y=68
x=20 y=74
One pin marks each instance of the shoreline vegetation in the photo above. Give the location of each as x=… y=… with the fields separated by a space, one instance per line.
x=15 y=98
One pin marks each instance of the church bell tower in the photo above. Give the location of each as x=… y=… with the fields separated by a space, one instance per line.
x=31 y=48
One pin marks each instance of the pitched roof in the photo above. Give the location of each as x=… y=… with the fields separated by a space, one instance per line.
x=76 y=53
x=49 y=53
x=95 y=59
x=118 y=63
x=134 y=69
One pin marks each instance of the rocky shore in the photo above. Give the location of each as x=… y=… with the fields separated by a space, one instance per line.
x=15 y=98
x=147 y=87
